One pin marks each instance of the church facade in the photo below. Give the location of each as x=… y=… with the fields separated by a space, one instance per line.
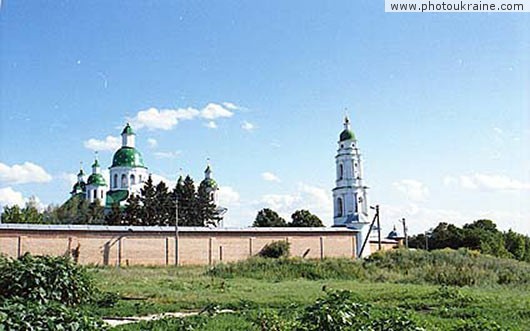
x=127 y=175
x=350 y=205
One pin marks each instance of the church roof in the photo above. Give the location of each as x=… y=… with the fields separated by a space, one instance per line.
x=209 y=182
x=97 y=180
x=128 y=157
x=116 y=197
x=127 y=129
x=78 y=187
x=347 y=135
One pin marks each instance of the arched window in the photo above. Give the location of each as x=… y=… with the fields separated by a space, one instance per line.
x=341 y=171
x=140 y=179
x=101 y=195
x=123 y=180
x=95 y=194
x=115 y=180
x=339 y=207
x=132 y=180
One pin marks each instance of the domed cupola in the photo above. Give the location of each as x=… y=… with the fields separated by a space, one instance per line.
x=80 y=186
x=347 y=133
x=96 y=186
x=128 y=171
x=208 y=181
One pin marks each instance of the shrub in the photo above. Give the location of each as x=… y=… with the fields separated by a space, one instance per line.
x=276 y=249
x=23 y=315
x=45 y=278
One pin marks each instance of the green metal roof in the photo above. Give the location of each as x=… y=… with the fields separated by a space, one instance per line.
x=347 y=135
x=96 y=179
x=81 y=172
x=127 y=129
x=209 y=182
x=96 y=163
x=116 y=197
x=78 y=187
x=128 y=157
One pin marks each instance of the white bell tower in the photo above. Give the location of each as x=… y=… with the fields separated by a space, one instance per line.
x=350 y=206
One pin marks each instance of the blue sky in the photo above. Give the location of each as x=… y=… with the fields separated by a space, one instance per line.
x=439 y=102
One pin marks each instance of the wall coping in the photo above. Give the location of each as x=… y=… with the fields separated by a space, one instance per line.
x=170 y=229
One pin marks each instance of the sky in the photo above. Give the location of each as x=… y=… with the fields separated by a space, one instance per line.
x=439 y=102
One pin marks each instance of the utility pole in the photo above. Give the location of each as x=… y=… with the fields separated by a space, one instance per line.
x=426 y=241
x=405 y=232
x=378 y=227
x=176 y=230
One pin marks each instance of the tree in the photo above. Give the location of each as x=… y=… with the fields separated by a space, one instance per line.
x=164 y=205
x=187 y=204
x=205 y=207
x=132 y=214
x=148 y=202
x=12 y=214
x=96 y=214
x=303 y=218
x=268 y=218
x=114 y=217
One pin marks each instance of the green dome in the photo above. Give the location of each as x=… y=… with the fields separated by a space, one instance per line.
x=128 y=157
x=347 y=135
x=78 y=187
x=209 y=183
x=96 y=179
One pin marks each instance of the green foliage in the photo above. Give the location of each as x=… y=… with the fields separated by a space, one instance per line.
x=481 y=235
x=132 y=214
x=303 y=218
x=268 y=218
x=45 y=278
x=206 y=209
x=28 y=214
x=276 y=249
x=114 y=216
x=20 y=315
x=441 y=267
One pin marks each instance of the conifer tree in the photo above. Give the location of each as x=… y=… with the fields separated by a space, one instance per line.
x=205 y=207
x=132 y=214
x=187 y=204
x=114 y=217
x=148 y=201
x=95 y=213
x=164 y=205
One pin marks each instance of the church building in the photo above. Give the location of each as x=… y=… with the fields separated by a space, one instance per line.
x=350 y=205
x=127 y=175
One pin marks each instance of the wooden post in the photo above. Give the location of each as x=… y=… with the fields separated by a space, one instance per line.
x=210 y=243
x=250 y=246
x=221 y=253
x=167 y=250
x=321 y=248
x=19 y=246
x=119 y=252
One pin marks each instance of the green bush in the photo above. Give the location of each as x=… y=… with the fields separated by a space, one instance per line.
x=45 y=278
x=20 y=315
x=276 y=249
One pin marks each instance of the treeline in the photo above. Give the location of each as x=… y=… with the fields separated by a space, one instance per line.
x=300 y=218
x=156 y=205
x=481 y=235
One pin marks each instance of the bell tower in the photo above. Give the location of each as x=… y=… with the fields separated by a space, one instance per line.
x=350 y=206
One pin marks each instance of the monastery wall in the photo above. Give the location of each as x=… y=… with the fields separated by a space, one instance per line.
x=118 y=245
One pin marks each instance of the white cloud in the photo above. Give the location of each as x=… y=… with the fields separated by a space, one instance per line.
x=108 y=144
x=413 y=189
x=210 y=125
x=229 y=105
x=167 y=155
x=10 y=197
x=70 y=178
x=152 y=142
x=486 y=182
x=166 y=119
x=213 y=111
x=228 y=196
x=23 y=173
x=247 y=126
x=157 y=179
x=498 y=131
x=270 y=177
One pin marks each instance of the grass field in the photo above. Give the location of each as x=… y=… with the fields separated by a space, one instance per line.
x=424 y=298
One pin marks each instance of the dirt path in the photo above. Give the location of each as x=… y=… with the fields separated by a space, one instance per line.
x=115 y=321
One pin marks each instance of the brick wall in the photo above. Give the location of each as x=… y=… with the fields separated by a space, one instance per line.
x=201 y=247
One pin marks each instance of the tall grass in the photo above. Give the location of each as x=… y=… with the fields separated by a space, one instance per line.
x=441 y=267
